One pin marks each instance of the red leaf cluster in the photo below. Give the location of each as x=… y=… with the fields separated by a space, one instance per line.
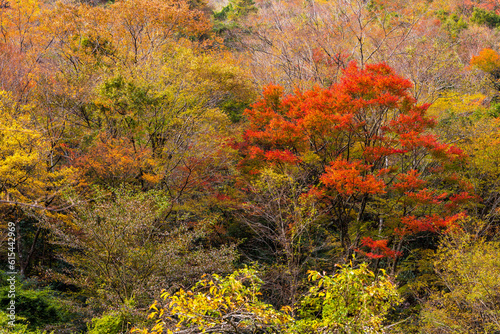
x=431 y=223
x=378 y=249
x=349 y=178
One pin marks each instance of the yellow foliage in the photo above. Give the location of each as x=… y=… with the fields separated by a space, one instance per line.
x=455 y=102
x=18 y=22
x=469 y=270
x=27 y=175
x=230 y=302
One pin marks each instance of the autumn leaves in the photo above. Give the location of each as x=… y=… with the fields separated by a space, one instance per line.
x=132 y=140
x=362 y=149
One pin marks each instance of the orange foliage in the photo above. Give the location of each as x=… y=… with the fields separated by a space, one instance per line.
x=371 y=107
x=348 y=179
x=408 y=181
x=114 y=161
x=487 y=61
x=426 y=196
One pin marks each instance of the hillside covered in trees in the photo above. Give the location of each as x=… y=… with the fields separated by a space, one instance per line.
x=267 y=166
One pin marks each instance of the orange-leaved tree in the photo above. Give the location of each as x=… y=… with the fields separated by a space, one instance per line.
x=362 y=151
x=488 y=61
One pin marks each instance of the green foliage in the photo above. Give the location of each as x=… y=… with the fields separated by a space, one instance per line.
x=222 y=14
x=230 y=16
x=494 y=110
x=354 y=300
x=485 y=17
x=242 y=8
x=34 y=308
x=111 y=323
x=236 y=9
x=121 y=246
x=20 y=326
x=117 y=321
x=451 y=22
x=234 y=109
x=97 y=46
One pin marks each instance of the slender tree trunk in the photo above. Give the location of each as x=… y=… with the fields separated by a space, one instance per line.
x=395 y=262
x=25 y=265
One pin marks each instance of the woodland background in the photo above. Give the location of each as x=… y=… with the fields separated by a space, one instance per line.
x=298 y=166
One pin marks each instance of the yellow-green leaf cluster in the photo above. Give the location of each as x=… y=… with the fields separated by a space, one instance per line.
x=219 y=305
x=354 y=300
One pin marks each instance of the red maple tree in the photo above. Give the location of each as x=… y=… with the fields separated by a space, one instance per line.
x=364 y=150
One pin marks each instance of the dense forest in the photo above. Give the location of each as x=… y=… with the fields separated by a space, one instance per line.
x=249 y=166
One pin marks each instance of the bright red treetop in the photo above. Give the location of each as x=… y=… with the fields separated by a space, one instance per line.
x=369 y=115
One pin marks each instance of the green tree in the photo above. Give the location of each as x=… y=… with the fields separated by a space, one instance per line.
x=485 y=17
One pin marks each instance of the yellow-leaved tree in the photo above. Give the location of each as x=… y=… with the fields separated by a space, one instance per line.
x=31 y=180
x=468 y=270
x=28 y=174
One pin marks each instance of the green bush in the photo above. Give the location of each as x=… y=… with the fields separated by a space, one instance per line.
x=485 y=17
x=20 y=327
x=451 y=22
x=494 y=110
x=35 y=308
x=112 y=323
